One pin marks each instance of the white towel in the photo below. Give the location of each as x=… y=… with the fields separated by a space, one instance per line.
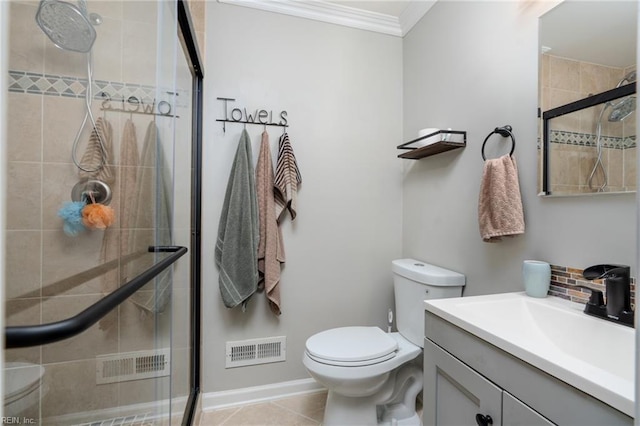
x=500 y=212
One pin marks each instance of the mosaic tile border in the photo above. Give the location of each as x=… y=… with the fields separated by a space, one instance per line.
x=75 y=87
x=587 y=139
x=564 y=280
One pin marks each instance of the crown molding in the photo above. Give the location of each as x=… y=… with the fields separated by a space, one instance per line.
x=414 y=11
x=319 y=10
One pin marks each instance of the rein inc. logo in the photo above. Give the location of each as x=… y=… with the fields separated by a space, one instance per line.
x=15 y=420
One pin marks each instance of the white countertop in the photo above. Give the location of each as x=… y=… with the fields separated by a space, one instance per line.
x=554 y=335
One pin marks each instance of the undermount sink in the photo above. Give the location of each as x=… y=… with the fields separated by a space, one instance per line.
x=553 y=334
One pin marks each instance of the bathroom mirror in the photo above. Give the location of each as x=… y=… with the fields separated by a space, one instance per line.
x=587 y=98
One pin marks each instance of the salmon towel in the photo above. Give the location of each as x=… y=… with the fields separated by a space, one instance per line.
x=270 y=247
x=500 y=205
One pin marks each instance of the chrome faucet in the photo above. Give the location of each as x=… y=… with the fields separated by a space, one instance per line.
x=618 y=287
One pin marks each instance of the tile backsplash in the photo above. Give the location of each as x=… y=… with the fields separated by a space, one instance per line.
x=564 y=280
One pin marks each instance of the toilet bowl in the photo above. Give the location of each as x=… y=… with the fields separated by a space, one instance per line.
x=22 y=385
x=359 y=371
x=355 y=369
x=373 y=377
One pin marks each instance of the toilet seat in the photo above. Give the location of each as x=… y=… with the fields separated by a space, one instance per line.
x=351 y=346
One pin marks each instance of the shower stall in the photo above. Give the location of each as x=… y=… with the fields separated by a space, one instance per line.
x=101 y=206
x=589 y=126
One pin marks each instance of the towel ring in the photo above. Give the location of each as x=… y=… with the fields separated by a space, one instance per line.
x=502 y=131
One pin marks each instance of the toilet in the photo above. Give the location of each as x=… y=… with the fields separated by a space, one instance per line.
x=374 y=377
x=22 y=388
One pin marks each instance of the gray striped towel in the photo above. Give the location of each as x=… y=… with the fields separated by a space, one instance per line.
x=287 y=179
x=98 y=156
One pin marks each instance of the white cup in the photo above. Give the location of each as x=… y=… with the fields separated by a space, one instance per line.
x=430 y=140
x=536 y=276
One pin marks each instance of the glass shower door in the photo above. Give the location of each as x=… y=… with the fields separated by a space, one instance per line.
x=80 y=228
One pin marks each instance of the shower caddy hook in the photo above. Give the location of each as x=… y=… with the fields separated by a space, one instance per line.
x=505 y=131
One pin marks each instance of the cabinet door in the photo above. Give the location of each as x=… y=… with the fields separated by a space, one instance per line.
x=516 y=413
x=454 y=394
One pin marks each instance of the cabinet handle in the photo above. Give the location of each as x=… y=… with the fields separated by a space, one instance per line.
x=483 y=420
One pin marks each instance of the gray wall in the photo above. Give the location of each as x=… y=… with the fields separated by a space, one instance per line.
x=351 y=96
x=342 y=90
x=473 y=66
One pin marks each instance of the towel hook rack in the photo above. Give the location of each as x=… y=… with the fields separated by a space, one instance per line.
x=505 y=131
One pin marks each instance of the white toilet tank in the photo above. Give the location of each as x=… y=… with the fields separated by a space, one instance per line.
x=415 y=281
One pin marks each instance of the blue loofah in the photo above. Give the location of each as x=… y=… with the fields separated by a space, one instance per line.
x=71 y=214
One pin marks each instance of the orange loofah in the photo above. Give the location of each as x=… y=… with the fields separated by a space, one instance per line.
x=97 y=216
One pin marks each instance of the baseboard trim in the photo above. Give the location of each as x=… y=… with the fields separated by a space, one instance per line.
x=236 y=397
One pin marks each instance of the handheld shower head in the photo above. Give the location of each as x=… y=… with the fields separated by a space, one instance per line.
x=629 y=78
x=624 y=107
x=66 y=24
x=70 y=27
x=620 y=109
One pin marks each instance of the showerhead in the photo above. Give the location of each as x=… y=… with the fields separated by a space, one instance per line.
x=66 y=25
x=628 y=79
x=622 y=109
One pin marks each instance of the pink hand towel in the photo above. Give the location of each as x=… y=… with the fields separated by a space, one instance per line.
x=500 y=211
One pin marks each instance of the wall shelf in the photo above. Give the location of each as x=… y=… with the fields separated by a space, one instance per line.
x=445 y=140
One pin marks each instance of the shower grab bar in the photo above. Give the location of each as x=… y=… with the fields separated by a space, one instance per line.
x=34 y=335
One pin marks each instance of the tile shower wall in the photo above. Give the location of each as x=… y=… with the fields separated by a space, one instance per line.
x=573 y=138
x=564 y=280
x=45 y=105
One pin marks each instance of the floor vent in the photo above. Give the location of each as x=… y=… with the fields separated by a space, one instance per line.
x=256 y=351
x=138 y=365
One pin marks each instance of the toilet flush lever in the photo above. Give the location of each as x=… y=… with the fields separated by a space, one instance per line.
x=389 y=320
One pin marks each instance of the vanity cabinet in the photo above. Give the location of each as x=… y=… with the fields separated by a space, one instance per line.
x=517 y=413
x=456 y=395
x=453 y=393
x=465 y=376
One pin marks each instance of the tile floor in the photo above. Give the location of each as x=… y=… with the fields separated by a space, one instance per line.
x=302 y=410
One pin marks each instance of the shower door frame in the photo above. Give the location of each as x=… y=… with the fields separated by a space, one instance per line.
x=187 y=35
x=4 y=68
